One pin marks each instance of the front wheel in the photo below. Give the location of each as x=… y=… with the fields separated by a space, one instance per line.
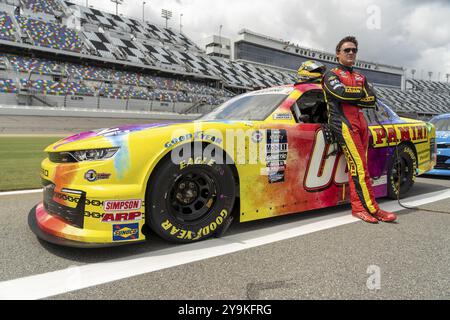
x=190 y=200
x=401 y=172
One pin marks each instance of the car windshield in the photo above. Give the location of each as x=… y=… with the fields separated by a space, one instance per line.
x=441 y=124
x=389 y=111
x=251 y=106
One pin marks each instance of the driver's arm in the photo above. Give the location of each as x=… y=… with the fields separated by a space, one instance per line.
x=370 y=98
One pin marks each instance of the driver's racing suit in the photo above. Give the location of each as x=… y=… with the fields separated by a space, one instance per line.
x=346 y=93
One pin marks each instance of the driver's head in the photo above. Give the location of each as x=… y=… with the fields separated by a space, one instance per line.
x=346 y=51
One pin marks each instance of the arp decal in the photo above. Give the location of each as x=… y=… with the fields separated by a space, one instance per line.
x=121 y=217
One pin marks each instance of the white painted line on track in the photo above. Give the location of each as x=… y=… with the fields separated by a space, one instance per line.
x=14 y=193
x=76 y=278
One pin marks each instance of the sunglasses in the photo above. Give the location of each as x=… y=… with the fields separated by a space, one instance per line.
x=348 y=50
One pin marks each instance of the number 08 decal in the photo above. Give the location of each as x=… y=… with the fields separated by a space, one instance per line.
x=322 y=170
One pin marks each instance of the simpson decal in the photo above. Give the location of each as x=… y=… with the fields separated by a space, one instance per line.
x=122 y=205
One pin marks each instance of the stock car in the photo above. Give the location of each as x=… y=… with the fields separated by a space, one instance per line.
x=442 y=125
x=259 y=155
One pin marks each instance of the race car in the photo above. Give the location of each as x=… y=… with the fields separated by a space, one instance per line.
x=442 y=124
x=259 y=155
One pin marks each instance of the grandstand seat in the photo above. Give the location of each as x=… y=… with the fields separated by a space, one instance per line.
x=7 y=30
x=8 y=86
x=51 y=35
x=25 y=64
x=47 y=6
x=43 y=86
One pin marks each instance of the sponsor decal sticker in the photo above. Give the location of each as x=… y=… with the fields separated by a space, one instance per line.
x=92 y=176
x=276 y=155
x=123 y=216
x=257 y=136
x=282 y=116
x=197 y=136
x=123 y=232
x=198 y=160
x=181 y=233
x=122 y=205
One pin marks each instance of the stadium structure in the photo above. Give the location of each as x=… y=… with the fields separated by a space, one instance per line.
x=59 y=54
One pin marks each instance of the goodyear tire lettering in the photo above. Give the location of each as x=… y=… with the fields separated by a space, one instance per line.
x=181 y=233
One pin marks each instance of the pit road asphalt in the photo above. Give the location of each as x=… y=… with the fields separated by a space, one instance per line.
x=413 y=257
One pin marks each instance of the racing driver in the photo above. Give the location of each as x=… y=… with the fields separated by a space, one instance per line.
x=347 y=93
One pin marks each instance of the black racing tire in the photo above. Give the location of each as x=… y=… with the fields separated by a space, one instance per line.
x=402 y=168
x=190 y=200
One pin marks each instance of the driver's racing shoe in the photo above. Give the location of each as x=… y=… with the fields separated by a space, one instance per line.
x=385 y=216
x=365 y=216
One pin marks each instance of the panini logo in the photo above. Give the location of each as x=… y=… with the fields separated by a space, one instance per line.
x=125 y=232
x=390 y=135
x=122 y=205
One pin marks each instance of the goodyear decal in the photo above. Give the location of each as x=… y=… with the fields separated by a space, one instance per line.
x=181 y=233
x=393 y=135
x=197 y=136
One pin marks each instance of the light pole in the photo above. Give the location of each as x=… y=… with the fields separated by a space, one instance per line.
x=166 y=14
x=448 y=76
x=117 y=2
x=413 y=71
x=181 y=16
x=430 y=73
x=220 y=40
x=143 y=11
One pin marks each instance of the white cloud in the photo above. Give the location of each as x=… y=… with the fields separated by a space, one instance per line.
x=412 y=33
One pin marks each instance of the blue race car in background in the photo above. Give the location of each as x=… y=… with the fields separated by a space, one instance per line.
x=442 y=124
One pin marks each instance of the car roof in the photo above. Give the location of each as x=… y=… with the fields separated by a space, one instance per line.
x=442 y=116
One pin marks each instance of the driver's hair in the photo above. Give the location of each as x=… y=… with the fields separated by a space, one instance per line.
x=344 y=40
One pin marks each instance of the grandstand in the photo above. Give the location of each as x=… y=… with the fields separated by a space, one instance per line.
x=57 y=53
x=421 y=99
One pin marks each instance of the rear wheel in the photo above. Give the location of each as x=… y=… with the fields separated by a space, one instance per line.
x=401 y=173
x=190 y=200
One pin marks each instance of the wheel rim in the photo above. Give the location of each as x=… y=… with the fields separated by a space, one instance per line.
x=400 y=173
x=192 y=195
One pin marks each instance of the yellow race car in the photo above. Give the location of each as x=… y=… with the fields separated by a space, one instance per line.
x=259 y=155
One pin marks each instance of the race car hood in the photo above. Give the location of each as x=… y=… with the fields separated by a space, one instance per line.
x=97 y=137
x=113 y=137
